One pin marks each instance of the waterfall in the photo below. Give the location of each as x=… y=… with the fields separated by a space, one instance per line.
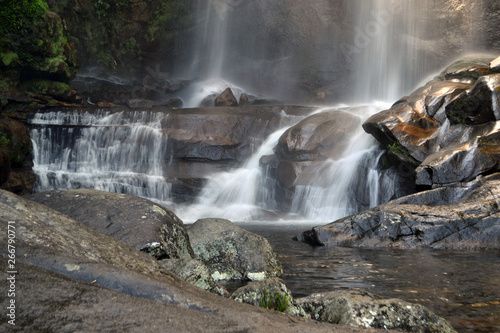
x=241 y=194
x=121 y=152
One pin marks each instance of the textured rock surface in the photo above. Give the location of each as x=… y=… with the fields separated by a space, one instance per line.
x=194 y=272
x=232 y=253
x=417 y=130
x=226 y=98
x=318 y=137
x=256 y=292
x=137 y=222
x=461 y=217
x=73 y=278
x=361 y=309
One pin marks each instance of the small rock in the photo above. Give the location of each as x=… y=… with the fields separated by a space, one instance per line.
x=226 y=98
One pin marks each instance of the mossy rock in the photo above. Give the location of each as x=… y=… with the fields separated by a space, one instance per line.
x=58 y=90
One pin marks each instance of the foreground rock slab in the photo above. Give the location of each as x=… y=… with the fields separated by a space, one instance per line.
x=461 y=217
x=137 y=222
x=231 y=252
x=72 y=278
x=362 y=309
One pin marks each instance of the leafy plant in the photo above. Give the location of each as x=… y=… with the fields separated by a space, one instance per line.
x=278 y=302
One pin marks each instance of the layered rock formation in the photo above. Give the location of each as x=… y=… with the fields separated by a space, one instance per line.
x=448 y=131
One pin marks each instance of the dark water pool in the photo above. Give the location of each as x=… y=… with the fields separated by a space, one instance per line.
x=461 y=286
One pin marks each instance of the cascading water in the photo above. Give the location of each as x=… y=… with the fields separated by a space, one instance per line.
x=240 y=194
x=339 y=187
x=366 y=50
x=121 y=152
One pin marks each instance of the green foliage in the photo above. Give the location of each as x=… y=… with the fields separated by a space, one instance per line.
x=21 y=15
x=4 y=140
x=102 y=8
x=277 y=302
x=47 y=87
x=8 y=57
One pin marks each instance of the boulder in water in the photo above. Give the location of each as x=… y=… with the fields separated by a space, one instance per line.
x=361 y=309
x=463 y=218
x=232 y=253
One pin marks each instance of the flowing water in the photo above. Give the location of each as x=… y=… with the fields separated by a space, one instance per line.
x=461 y=286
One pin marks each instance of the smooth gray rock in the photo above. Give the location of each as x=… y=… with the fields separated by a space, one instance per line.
x=137 y=222
x=361 y=309
x=232 y=253
x=457 y=218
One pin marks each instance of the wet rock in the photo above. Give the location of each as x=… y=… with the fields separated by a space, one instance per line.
x=495 y=65
x=73 y=278
x=318 y=137
x=411 y=128
x=461 y=163
x=137 y=222
x=464 y=216
x=272 y=293
x=479 y=106
x=174 y=103
x=222 y=134
x=194 y=272
x=232 y=253
x=362 y=309
x=136 y=103
x=226 y=98
x=244 y=99
x=208 y=101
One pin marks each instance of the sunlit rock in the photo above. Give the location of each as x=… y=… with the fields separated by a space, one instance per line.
x=232 y=253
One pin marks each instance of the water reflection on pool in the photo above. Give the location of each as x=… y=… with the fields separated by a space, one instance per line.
x=461 y=286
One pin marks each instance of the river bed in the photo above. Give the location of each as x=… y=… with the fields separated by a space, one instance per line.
x=461 y=286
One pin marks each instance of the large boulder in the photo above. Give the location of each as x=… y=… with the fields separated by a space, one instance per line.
x=318 y=137
x=361 y=309
x=464 y=216
x=231 y=252
x=137 y=222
